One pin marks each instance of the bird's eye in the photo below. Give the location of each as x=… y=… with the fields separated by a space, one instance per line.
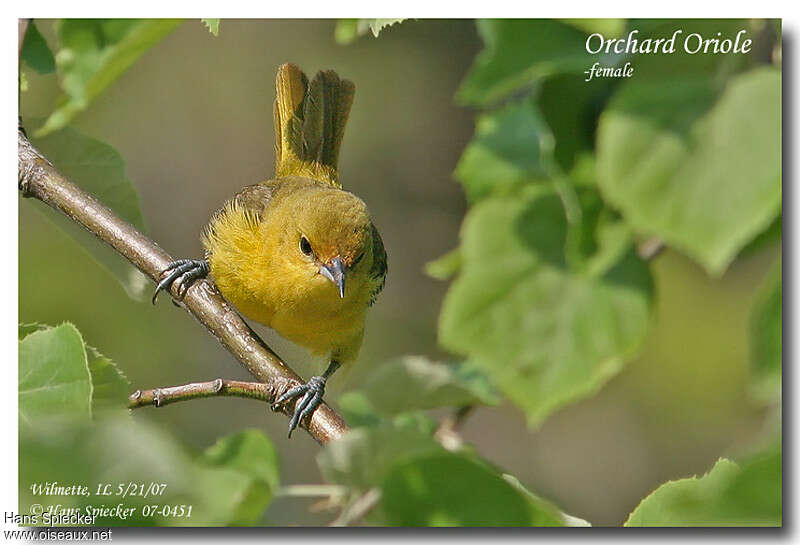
x=305 y=246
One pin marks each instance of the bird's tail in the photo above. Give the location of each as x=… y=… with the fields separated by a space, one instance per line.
x=309 y=123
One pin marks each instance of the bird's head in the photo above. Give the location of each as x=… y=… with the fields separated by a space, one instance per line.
x=330 y=238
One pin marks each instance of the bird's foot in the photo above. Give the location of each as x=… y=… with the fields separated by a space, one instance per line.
x=185 y=270
x=312 y=392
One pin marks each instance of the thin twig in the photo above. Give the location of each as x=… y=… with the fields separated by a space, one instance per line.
x=311 y=490
x=38 y=178
x=650 y=248
x=448 y=431
x=158 y=397
x=359 y=508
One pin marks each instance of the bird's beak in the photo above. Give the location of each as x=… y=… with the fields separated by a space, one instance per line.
x=334 y=271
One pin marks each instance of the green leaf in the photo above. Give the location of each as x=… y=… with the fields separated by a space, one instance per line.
x=445 y=489
x=609 y=28
x=664 y=66
x=363 y=456
x=725 y=496
x=250 y=453
x=416 y=383
x=212 y=25
x=377 y=25
x=100 y=170
x=702 y=174
x=23 y=330
x=54 y=380
x=520 y=52
x=766 y=333
x=92 y=54
x=35 y=51
x=511 y=147
x=110 y=387
x=348 y=30
x=572 y=128
x=243 y=479
x=546 y=335
x=230 y=484
x=358 y=411
x=444 y=267
x=544 y=505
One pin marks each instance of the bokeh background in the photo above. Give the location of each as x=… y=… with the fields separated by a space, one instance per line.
x=193 y=120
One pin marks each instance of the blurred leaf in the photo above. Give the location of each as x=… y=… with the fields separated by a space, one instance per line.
x=347 y=30
x=377 y=25
x=445 y=489
x=35 y=51
x=95 y=52
x=54 y=381
x=544 y=334
x=544 y=505
x=23 y=330
x=23 y=82
x=572 y=128
x=767 y=340
x=230 y=484
x=363 y=456
x=359 y=412
x=113 y=450
x=597 y=238
x=250 y=453
x=212 y=25
x=414 y=382
x=244 y=478
x=100 y=170
x=704 y=180
x=520 y=52
x=444 y=267
x=771 y=236
x=725 y=496
x=110 y=387
x=664 y=66
x=511 y=147
x=609 y=28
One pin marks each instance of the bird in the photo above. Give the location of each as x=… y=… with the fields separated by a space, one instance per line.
x=297 y=252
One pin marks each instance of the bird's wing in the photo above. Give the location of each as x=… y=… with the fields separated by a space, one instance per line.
x=255 y=198
x=379 y=265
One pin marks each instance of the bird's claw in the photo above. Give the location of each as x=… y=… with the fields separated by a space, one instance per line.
x=185 y=270
x=312 y=393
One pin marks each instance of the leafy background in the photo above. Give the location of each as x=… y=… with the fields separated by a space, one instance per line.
x=596 y=375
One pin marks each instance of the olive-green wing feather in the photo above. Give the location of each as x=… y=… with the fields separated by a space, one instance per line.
x=380 y=265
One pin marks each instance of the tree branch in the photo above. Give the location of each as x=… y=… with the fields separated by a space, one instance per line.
x=38 y=178
x=158 y=397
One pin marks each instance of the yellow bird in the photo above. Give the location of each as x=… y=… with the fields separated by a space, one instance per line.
x=298 y=253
